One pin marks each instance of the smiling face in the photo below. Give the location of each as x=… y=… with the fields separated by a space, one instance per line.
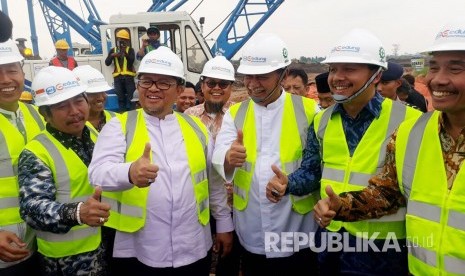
x=11 y=85
x=97 y=101
x=186 y=99
x=216 y=97
x=446 y=81
x=259 y=87
x=388 y=89
x=158 y=102
x=294 y=85
x=69 y=116
x=347 y=78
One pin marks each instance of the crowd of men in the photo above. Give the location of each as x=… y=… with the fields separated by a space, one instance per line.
x=360 y=180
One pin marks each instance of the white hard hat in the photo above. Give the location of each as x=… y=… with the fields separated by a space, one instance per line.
x=219 y=68
x=450 y=38
x=358 y=46
x=265 y=54
x=55 y=84
x=162 y=61
x=92 y=78
x=9 y=52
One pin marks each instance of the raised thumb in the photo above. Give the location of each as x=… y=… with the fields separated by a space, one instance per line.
x=97 y=193
x=277 y=171
x=333 y=197
x=240 y=137
x=147 y=151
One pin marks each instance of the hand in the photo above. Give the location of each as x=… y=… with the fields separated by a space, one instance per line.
x=113 y=55
x=12 y=248
x=93 y=212
x=277 y=185
x=142 y=172
x=223 y=243
x=326 y=208
x=236 y=155
x=145 y=43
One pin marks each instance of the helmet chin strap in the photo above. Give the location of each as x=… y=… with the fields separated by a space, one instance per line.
x=258 y=101
x=343 y=99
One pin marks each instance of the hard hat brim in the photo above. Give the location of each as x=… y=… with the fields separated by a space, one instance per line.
x=450 y=46
x=218 y=76
x=161 y=72
x=98 y=89
x=354 y=60
x=258 y=69
x=11 y=59
x=62 y=97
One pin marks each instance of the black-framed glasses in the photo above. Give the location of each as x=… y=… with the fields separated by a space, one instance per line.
x=222 y=84
x=161 y=84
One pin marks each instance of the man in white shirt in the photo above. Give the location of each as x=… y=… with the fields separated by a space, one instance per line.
x=163 y=223
x=258 y=136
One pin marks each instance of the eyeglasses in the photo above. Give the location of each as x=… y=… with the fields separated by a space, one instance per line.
x=222 y=84
x=161 y=84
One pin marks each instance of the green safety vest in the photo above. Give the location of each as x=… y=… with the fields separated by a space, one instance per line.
x=93 y=131
x=11 y=145
x=351 y=173
x=435 y=219
x=124 y=71
x=297 y=115
x=72 y=184
x=128 y=208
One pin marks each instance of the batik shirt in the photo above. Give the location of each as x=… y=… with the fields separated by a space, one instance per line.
x=41 y=211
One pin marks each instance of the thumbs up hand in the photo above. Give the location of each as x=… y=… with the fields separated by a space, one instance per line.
x=236 y=155
x=277 y=185
x=93 y=212
x=327 y=208
x=142 y=172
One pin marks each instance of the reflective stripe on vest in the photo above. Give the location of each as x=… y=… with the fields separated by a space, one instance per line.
x=11 y=145
x=352 y=173
x=70 y=177
x=129 y=207
x=298 y=112
x=125 y=71
x=435 y=217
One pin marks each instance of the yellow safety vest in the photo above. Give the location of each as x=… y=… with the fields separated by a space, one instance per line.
x=297 y=114
x=351 y=173
x=125 y=71
x=11 y=145
x=72 y=184
x=435 y=219
x=93 y=131
x=128 y=208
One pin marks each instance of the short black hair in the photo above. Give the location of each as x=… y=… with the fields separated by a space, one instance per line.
x=153 y=30
x=198 y=87
x=190 y=85
x=410 y=78
x=294 y=72
x=404 y=87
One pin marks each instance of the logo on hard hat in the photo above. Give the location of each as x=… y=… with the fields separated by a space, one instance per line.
x=158 y=61
x=254 y=59
x=67 y=85
x=451 y=33
x=382 y=54
x=50 y=90
x=222 y=69
x=96 y=80
x=285 y=53
x=38 y=92
x=346 y=48
x=6 y=49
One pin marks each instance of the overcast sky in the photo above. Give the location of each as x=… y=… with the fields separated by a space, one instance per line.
x=309 y=27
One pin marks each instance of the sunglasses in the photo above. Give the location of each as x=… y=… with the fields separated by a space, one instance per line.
x=222 y=84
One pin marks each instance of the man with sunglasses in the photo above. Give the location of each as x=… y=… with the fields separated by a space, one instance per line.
x=216 y=83
x=258 y=135
x=156 y=163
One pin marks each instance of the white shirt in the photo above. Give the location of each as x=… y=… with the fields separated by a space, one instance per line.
x=172 y=235
x=261 y=215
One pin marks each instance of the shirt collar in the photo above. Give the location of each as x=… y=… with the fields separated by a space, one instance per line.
x=276 y=104
x=66 y=138
x=11 y=114
x=373 y=106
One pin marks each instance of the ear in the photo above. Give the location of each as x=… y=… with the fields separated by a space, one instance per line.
x=398 y=83
x=378 y=78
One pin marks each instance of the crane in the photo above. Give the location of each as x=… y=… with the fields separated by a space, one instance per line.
x=60 y=19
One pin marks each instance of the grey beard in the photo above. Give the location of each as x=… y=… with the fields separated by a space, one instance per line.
x=214 y=107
